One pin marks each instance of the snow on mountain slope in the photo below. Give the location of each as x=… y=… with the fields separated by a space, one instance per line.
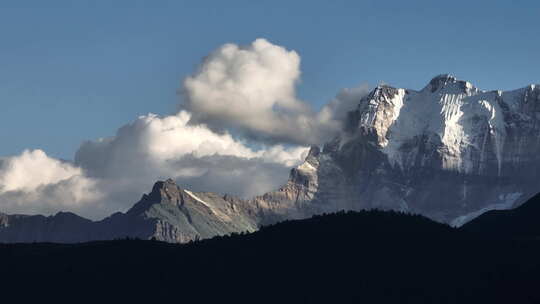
x=449 y=151
x=444 y=151
x=447 y=110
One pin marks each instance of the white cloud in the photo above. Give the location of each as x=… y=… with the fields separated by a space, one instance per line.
x=346 y=100
x=111 y=174
x=151 y=145
x=154 y=147
x=34 y=182
x=251 y=89
x=32 y=169
x=247 y=91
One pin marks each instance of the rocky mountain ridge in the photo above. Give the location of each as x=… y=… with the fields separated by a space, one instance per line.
x=449 y=151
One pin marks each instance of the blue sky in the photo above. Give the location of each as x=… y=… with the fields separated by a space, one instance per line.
x=77 y=70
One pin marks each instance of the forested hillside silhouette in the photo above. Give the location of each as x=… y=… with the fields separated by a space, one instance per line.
x=522 y=222
x=369 y=256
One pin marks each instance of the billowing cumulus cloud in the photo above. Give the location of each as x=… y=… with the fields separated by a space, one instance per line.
x=32 y=169
x=154 y=147
x=110 y=174
x=240 y=130
x=251 y=89
x=36 y=183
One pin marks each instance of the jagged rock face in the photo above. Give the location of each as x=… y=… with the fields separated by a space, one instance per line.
x=180 y=215
x=448 y=151
x=168 y=213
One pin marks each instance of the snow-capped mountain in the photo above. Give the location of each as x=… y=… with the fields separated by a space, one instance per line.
x=449 y=151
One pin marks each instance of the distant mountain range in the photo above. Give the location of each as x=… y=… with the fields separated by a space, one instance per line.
x=168 y=213
x=449 y=151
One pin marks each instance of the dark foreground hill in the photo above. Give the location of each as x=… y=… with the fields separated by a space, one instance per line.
x=368 y=257
x=522 y=222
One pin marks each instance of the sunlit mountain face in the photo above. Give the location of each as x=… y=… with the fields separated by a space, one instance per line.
x=449 y=151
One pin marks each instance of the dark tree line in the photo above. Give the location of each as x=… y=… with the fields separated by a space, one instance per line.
x=346 y=257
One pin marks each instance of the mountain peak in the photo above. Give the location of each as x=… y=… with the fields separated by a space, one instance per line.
x=314 y=151
x=68 y=218
x=163 y=184
x=162 y=192
x=161 y=187
x=446 y=80
x=165 y=191
x=381 y=92
x=448 y=77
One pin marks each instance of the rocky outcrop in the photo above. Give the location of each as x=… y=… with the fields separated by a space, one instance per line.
x=449 y=151
x=168 y=213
